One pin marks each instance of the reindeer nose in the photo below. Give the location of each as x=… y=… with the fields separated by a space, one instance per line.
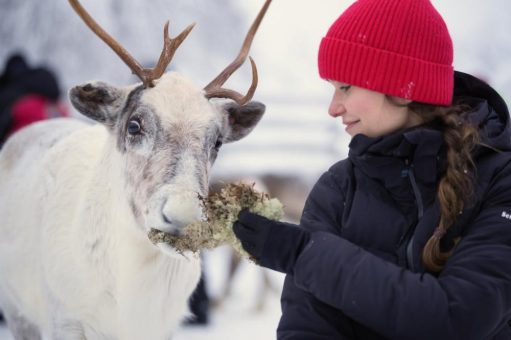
x=180 y=212
x=172 y=228
x=177 y=224
x=166 y=219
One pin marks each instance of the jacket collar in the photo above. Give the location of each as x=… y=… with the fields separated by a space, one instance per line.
x=387 y=157
x=390 y=159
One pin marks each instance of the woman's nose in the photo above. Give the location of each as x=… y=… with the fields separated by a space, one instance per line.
x=336 y=107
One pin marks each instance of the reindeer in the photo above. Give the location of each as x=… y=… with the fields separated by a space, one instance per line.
x=77 y=200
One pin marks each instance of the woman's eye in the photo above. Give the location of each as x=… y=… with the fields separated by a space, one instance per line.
x=134 y=127
x=345 y=88
x=218 y=144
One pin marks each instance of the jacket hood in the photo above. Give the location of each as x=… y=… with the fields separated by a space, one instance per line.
x=489 y=111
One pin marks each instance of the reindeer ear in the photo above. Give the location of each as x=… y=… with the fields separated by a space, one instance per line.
x=242 y=119
x=98 y=101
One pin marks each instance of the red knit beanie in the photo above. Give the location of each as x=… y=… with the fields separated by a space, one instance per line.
x=400 y=48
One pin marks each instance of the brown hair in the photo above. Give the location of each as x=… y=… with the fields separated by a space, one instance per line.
x=456 y=185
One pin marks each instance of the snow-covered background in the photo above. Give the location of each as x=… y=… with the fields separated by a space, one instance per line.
x=296 y=135
x=285 y=49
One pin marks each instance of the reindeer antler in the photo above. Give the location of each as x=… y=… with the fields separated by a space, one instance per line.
x=146 y=75
x=214 y=88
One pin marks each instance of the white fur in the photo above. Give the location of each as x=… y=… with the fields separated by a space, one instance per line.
x=76 y=203
x=72 y=261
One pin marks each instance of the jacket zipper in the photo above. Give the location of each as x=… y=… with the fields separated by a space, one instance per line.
x=410 y=235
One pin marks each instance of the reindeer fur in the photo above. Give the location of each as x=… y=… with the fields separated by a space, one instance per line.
x=77 y=201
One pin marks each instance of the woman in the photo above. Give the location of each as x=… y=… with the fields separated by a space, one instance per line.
x=410 y=236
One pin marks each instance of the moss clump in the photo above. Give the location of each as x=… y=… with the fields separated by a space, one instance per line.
x=222 y=210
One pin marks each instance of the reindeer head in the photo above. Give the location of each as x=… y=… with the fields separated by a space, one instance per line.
x=168 y=131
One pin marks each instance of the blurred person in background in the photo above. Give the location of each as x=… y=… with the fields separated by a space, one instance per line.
x=410 y=236
x=27 y=95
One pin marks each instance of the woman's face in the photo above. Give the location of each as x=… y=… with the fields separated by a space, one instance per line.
x=368 y=112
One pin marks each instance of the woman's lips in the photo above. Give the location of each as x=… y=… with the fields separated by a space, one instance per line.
x=349 y=125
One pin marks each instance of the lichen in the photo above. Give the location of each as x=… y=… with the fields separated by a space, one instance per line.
x=222 y=210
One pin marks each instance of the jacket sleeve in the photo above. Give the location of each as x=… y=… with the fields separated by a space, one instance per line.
x=303 y=315
x=306 y=318
x=470 y=299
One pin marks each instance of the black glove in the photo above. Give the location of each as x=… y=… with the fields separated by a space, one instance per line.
x=272 y=244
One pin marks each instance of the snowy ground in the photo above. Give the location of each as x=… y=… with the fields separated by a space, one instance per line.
x=227 y=324
x=238 y=317
x=4 y=333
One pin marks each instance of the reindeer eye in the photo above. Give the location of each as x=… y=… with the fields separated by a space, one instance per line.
x=218 y=144
x=134 y=127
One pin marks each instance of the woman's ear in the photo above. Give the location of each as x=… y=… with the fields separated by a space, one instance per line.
x=241 y=120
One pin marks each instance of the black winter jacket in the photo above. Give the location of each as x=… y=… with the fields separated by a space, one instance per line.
x=361 y=276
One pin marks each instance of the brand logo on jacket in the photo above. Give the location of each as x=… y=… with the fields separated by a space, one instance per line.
x=506 y=215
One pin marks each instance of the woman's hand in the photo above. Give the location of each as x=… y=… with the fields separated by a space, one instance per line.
x=275 y=245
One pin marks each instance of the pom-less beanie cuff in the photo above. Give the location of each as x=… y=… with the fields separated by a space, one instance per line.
x=399 y=48
x=386 y=72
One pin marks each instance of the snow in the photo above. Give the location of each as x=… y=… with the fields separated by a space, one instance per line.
x=239 y=317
